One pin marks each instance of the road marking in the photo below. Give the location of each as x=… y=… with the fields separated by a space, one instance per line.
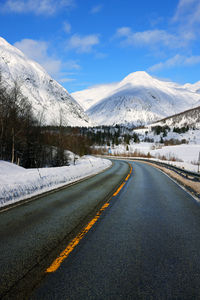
x=121 y=186
x=119 y=189
x=127 y=177
x=65 y=253
x=70 y=247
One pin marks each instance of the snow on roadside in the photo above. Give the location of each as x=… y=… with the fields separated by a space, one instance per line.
x=182 y=165
x=17 y=183
x=187 y=153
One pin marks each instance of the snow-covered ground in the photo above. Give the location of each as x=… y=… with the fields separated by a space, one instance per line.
x=191 y=136
x=187 y=155
x=17 y=183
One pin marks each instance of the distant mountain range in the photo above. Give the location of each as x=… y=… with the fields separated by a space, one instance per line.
x=137 y=100
x=50 y=101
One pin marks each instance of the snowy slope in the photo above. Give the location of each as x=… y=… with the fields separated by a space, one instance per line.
x=193 y=87
x=91 y=96
x=49 y=99
x=189 y=117
x=17 y=183
x=137 y=99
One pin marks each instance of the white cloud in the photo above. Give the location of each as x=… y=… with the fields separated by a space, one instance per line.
x=187 y=17
x=67 y=27
x=38 y=51
x=177 y=60
x=187 y=8
x=124 y=31
x=48 y=7
x=64 y=80
x=72 y=65
x=96 y=9
x=149 y=38
x=83 y=44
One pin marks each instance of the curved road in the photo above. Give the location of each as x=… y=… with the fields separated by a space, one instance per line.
x=145 y=245
x=31 y=234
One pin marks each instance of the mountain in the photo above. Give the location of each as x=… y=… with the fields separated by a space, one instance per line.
x=136 y=100
x=190 y=117
x=193 y=87
x=50 y=101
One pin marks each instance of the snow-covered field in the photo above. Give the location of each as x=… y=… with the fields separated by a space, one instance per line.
x=192 y=136
x=17 y=183
x=187 y=155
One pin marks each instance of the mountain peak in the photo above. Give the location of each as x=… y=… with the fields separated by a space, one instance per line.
x=136 y=77
x=3 y=42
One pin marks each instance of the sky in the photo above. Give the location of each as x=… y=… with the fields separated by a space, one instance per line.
x=82 y=43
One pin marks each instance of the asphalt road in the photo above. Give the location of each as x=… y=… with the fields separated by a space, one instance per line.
x=32 y=234
x=145 y=245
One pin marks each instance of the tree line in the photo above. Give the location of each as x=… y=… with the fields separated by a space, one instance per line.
x=23 y=139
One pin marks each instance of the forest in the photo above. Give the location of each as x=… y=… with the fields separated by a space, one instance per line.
x=26 y=142
x=23 y=139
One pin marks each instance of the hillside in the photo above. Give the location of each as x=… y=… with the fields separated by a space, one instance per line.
x=190 y=117
x=50 y=101
x=136 y=100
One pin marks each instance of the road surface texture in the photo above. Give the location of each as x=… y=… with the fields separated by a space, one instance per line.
x=33 y=233
x=145 y=245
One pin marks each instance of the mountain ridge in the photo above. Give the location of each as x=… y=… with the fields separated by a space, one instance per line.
x=138 y=99
x=48 y=98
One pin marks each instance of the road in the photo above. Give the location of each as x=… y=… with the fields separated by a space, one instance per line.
x=146 y=245
x=31 y=235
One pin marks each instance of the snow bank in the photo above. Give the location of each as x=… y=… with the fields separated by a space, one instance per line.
x=182 y=165
x=188 y=153
x=17 y=183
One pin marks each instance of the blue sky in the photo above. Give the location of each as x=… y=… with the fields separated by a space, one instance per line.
x=87 y=42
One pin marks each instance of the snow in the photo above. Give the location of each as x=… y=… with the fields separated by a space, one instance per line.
x=195 y=87
x=138 y=99
x=187 y=154
x=191 y=136
x=52 y=104
x=17 y=183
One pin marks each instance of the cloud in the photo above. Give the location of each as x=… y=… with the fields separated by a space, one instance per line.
x=187 y=8
x=67 y=27
x=38 y=51
x=187 y=17
x=96 y=9
x=149 y=38
x=83 y=44
x=177 y=60
x=64 y=80
x=38 y=7
x=72 y=65
x=100 y=55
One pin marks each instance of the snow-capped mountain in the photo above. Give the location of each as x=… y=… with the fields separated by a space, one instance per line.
x=195 y=87
x=50 y=101
x=190 y=117
x=136 y=100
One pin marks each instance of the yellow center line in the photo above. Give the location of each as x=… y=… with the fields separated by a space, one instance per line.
x=119 y=189
x=65 y=253
x=70 y=247
x=127 y=177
